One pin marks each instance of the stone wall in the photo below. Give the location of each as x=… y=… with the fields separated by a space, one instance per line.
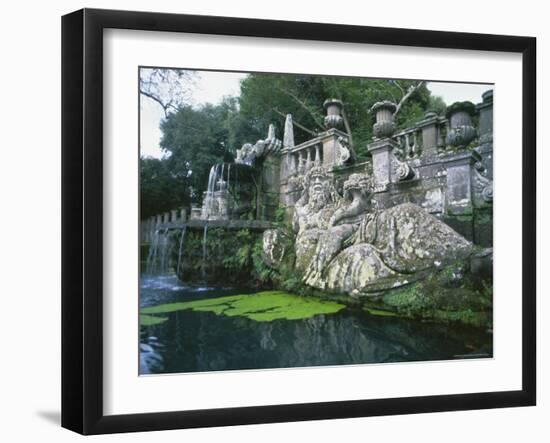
x=442 y=164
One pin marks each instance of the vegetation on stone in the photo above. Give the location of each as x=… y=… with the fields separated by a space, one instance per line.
x=445 y=296
x=195 y=138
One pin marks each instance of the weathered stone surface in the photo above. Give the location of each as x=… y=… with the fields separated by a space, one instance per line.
x=390 y=247
x=273 y=248
x=249 y=153
x=462 y=131
x=345 y=245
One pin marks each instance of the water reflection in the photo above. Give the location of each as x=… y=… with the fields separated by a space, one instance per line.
x=203 y=341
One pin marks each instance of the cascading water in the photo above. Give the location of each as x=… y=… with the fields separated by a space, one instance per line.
x=204 y=251
x=180 y=251
x=153 y=250
x=225 y=195
x=158 y=259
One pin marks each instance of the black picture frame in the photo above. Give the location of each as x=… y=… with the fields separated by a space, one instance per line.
x=82 y=215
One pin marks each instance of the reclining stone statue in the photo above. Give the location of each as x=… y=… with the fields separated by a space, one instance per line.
x=344 y=244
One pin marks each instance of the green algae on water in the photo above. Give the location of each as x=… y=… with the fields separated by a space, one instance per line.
x=380 y=312
x=262 y=307
x=151 y=320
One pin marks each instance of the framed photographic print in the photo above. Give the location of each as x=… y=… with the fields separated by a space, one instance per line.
x=273 y=221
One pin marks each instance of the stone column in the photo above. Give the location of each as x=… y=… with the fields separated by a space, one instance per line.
x=288 y=136
x=308 y=159
x=270 y=186
x=174 y=215
x=317 y=156
x=381 y=162
x=430 y=132
x=485 y=110
x=159 y=220
x=384 y=126
x=183 y=215
x=333 y=118
x=301 y=164
x=166 y=218
x=461 y=132
x=458 y=195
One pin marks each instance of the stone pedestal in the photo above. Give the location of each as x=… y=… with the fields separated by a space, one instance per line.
x=270 y=186
x=430 y=133
x=331 y=148
x=381 y=162
x=485 y=110
x=459 y=182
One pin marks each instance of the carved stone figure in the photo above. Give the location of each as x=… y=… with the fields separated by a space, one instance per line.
x=312 y=213
x=249 y=153
x=344 y=245
x=343 y=223
x=394 y=247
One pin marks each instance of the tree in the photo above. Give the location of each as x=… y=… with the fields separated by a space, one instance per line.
x=160 y=188
x=267 y=98
x=170 y=88
x=198 y=138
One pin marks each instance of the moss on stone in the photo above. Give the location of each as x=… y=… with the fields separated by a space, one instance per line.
x=262 y=307
x=449 y=295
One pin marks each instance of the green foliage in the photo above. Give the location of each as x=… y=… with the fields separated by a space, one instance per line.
x=267 y=98
x=439 y=298
x=262 y=307
x=232 y=256
x=194 y=138
x=437 y=105
x=160 y=189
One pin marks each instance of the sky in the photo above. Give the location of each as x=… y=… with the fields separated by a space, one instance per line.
x=212 y=86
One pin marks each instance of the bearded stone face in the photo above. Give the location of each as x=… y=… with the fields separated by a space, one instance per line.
x=319 y=191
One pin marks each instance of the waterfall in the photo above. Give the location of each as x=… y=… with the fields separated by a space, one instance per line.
x=204 y=251
x=158 y=259
x=153 y=250
x=212 y=178
x=228 y=178
x=182 y=239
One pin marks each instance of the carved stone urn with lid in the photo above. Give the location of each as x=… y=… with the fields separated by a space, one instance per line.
x=384 y=126
x=461 y=130
x=333 y=118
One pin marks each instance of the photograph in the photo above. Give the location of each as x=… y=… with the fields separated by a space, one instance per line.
x=300 y=220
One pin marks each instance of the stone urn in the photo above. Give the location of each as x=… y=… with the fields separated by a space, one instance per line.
x=333 y=118
x=461 y=130
x=384 y=126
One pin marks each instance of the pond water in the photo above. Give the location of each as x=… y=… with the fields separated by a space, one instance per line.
x=194 y=341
